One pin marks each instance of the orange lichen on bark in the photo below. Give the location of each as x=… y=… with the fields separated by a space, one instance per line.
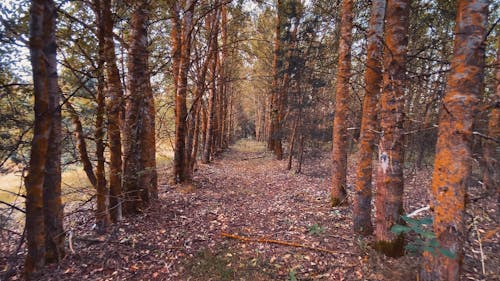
x=389 y=194
x=373 y=77
x=339 y=150
x=452 y=166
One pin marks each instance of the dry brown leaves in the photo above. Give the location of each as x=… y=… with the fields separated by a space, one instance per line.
x=245 y=192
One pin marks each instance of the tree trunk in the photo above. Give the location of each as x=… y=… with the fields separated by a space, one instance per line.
x=452 y=165
x=115 y=95
x=301 y=153
x=212 y=100
x=35 y=231
x=52 y=201
x=139 y=182
x=389 y=196
x=273 y=138
x=491 y=173
x=339 y=152
x=292 y=142
x=81 y=144
x=181 y=93
x=373 y=77
x=102 y=192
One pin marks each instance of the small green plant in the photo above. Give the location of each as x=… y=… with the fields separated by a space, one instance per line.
x=291 y=275
x=426 y=239
x=316 y=229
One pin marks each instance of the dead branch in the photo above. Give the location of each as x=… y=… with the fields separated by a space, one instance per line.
x=271 y=241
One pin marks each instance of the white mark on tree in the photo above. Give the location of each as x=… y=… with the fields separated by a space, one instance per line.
x=384 y=162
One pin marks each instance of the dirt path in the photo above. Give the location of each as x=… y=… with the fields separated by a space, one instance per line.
x=247 y=193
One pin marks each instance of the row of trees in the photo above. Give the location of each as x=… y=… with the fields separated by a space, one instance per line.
x=202 y=57
x=386 y=73
x=453 y=87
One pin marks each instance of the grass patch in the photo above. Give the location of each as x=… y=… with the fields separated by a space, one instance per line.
x=249 y=145
x=207 y=265
x=225 y=266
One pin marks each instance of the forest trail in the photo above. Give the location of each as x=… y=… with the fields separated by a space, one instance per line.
x=243 y=192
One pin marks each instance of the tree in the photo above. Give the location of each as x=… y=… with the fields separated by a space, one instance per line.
x=139 y=180
x=182 y=53
x=452 y=165
x=389 y=196
x=210 y=138
x=491 y=173
x=114 y=101
x=44 y=228
x=274 y=141
x=339 y=151
x=373 y=78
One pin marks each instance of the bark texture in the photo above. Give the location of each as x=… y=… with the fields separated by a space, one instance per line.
x=102 y=191
x=139 y=181
x=373 y=78
x=491 y=174
x=35 y=232
x=452 y=165
x=184 y=45
x=44 y=211
x=389 y=196
x=114 y=91
x=339 y=151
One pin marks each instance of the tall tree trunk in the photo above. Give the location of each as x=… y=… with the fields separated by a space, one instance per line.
x=222 y=77
x=35 y=231
x=373 y=77
x=212 y=100
x=452 y=165
x=115 y=95
x=273 y=139
x=102 y=192
x=339 y=152
x=389 y=196
x=491 y=173
x=139 y=181
x=52 y=201
x=181 y=93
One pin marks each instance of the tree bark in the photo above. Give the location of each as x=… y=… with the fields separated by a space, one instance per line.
x=212 y=100
x=181 y=93
x=273 y=143
x=452 y=165
x=35 y=231
x=81 y=144
x=373 y=77
x=114 y=103
x=491 y=173
x=339 y=152
x=389 y=196
x=102 y=192
x=139 y=181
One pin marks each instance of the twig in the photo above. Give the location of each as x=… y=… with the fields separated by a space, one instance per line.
x=480 y=245
x=271 y=241
x=486 y=137
x=12 y=206
x=418 y=211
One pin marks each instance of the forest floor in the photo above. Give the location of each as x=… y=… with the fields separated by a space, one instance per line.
x=245 y=192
